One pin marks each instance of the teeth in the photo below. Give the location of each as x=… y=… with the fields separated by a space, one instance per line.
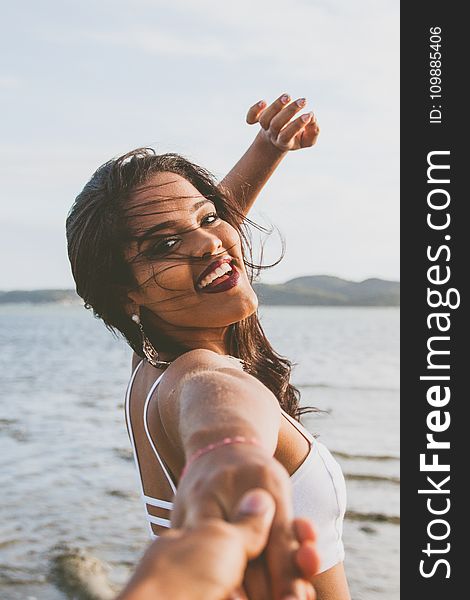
x=221 y=270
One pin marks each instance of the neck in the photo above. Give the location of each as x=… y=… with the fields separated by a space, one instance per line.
x=171 y=342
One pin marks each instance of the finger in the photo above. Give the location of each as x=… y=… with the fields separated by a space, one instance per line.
x=285 y=115
x=310 y=134
x=304 y=530
x=281 y=548
x=302 y=590
x=294 y=128
x=202 y=509
x=307 y=559
x=257 y=582
x=253 y=519
x=281 y=565
x=254 y=112
x=272 y=110
x=286 y=573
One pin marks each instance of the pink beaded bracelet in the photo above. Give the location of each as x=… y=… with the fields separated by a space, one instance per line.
x=238 y=439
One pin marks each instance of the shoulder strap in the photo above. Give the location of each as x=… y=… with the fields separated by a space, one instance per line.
x=147 y=431
x=129 y=423
x=307 y=435
x=127 y=401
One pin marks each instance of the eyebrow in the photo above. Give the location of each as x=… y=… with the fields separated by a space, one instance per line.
x=169 y=224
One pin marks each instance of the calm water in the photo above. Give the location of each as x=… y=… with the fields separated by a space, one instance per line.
x=68 y=482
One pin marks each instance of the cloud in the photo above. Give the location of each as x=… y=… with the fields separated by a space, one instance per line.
x=9 y=82
x=112 y=75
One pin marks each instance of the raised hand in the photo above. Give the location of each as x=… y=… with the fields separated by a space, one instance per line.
x=280 y=128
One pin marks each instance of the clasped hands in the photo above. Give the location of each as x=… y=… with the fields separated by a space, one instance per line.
x=233 y=537
x=284 y=558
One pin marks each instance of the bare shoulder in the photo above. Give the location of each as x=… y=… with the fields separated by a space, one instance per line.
x=201 y=391
x=202 y=359
x=189 y=371
x=196 y=362
x=205 y=373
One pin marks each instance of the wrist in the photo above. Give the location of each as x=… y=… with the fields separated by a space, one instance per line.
x=143 y=587
x=213 y=446
x=226 y=456
x=154 y=577
x=203 y=437
x=264 y=144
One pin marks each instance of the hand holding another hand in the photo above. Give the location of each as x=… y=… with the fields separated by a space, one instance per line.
x=213 y=488
x=208 y=561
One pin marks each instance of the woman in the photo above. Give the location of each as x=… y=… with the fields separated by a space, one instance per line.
x=160 y=252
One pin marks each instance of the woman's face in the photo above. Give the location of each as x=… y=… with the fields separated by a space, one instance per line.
x=186 y=260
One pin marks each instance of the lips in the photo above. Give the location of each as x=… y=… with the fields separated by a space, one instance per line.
x=212 y=267
x=226 y=283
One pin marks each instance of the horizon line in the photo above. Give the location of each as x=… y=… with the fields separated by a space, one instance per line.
x=44 y=289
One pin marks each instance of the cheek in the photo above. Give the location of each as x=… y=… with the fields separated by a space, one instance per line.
x=229 y=237
x=170 y=278
x=165 y=280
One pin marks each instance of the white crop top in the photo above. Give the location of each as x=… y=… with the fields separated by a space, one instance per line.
x=318 y=487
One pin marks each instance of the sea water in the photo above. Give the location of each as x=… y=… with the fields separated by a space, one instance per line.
x=68 y=483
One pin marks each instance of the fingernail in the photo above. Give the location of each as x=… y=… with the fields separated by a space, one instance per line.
x=285 y=98
x=253 y=503
x=306 y=117
x=300 y=102
x=261 y=103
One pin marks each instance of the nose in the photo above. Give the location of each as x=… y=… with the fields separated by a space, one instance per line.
x=207 y=243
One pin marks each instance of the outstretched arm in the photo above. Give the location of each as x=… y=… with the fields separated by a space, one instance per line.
x=202 y=400
x=279 y=133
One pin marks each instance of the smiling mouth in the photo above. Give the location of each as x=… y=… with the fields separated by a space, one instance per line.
x=220 y=276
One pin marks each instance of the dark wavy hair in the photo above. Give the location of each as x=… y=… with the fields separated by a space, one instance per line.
x=98 y=230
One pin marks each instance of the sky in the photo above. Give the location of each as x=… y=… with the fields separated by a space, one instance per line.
x=81 y=82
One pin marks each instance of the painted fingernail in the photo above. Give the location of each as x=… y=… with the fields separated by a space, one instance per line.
x=300 y=102
x=285 y=98
x=305 y=118
x=253 y=503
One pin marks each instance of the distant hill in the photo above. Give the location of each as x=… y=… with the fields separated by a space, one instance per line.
x=325 y=290
x=312 y=290
x=40 y=297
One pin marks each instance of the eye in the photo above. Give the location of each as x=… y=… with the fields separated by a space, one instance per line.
x=162 y=247
x=210 y=218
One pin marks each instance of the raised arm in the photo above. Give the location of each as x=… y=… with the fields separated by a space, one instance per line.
x=202 y=400
x=280 y=132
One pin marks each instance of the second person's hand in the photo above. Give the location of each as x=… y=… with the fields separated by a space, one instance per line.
x=208 y=561
x=210 y=490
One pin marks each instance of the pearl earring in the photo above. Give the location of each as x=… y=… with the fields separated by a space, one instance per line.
x=148 y=348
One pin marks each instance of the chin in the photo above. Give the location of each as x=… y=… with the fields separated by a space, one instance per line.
x=233 y=309
x=248 y=305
